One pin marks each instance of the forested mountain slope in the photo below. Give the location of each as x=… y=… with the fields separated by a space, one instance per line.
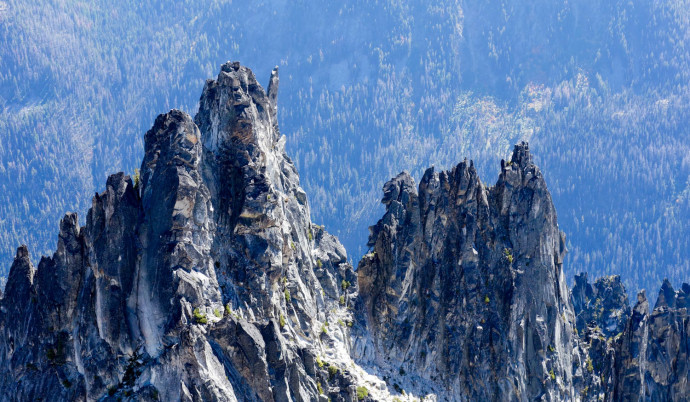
x=370 y=88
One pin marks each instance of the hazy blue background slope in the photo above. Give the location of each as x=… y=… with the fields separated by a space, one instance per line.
x=369 y=88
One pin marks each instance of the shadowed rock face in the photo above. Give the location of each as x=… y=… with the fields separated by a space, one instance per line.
x=603 y=304
x=654 y=362
x=203 y=278
x=642 y=355
x=602 y=310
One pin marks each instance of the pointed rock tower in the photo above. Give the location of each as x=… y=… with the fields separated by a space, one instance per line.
x=204 y=279
x=464 y=285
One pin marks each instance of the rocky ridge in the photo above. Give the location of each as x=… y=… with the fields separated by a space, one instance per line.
x=203 y=278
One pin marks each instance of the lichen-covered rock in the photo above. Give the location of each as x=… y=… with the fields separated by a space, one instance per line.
x=602 y=310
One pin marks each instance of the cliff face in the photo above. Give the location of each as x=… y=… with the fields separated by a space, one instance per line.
x=203 y=278
x=640 y=355
x=464 y=284
x=653 y=362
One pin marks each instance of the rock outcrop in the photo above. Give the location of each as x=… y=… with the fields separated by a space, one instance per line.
x=640 y=355
x=202 y=278
x=602 y=310
x=464 y=285
x=603 y=304
x=653 y=362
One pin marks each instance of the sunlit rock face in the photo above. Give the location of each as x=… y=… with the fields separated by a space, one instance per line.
x=201 y=279
x=464 y=284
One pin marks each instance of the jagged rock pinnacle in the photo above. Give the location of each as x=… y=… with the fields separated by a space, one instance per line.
x=194 y=281
x=205 y=279
x=456 y=266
